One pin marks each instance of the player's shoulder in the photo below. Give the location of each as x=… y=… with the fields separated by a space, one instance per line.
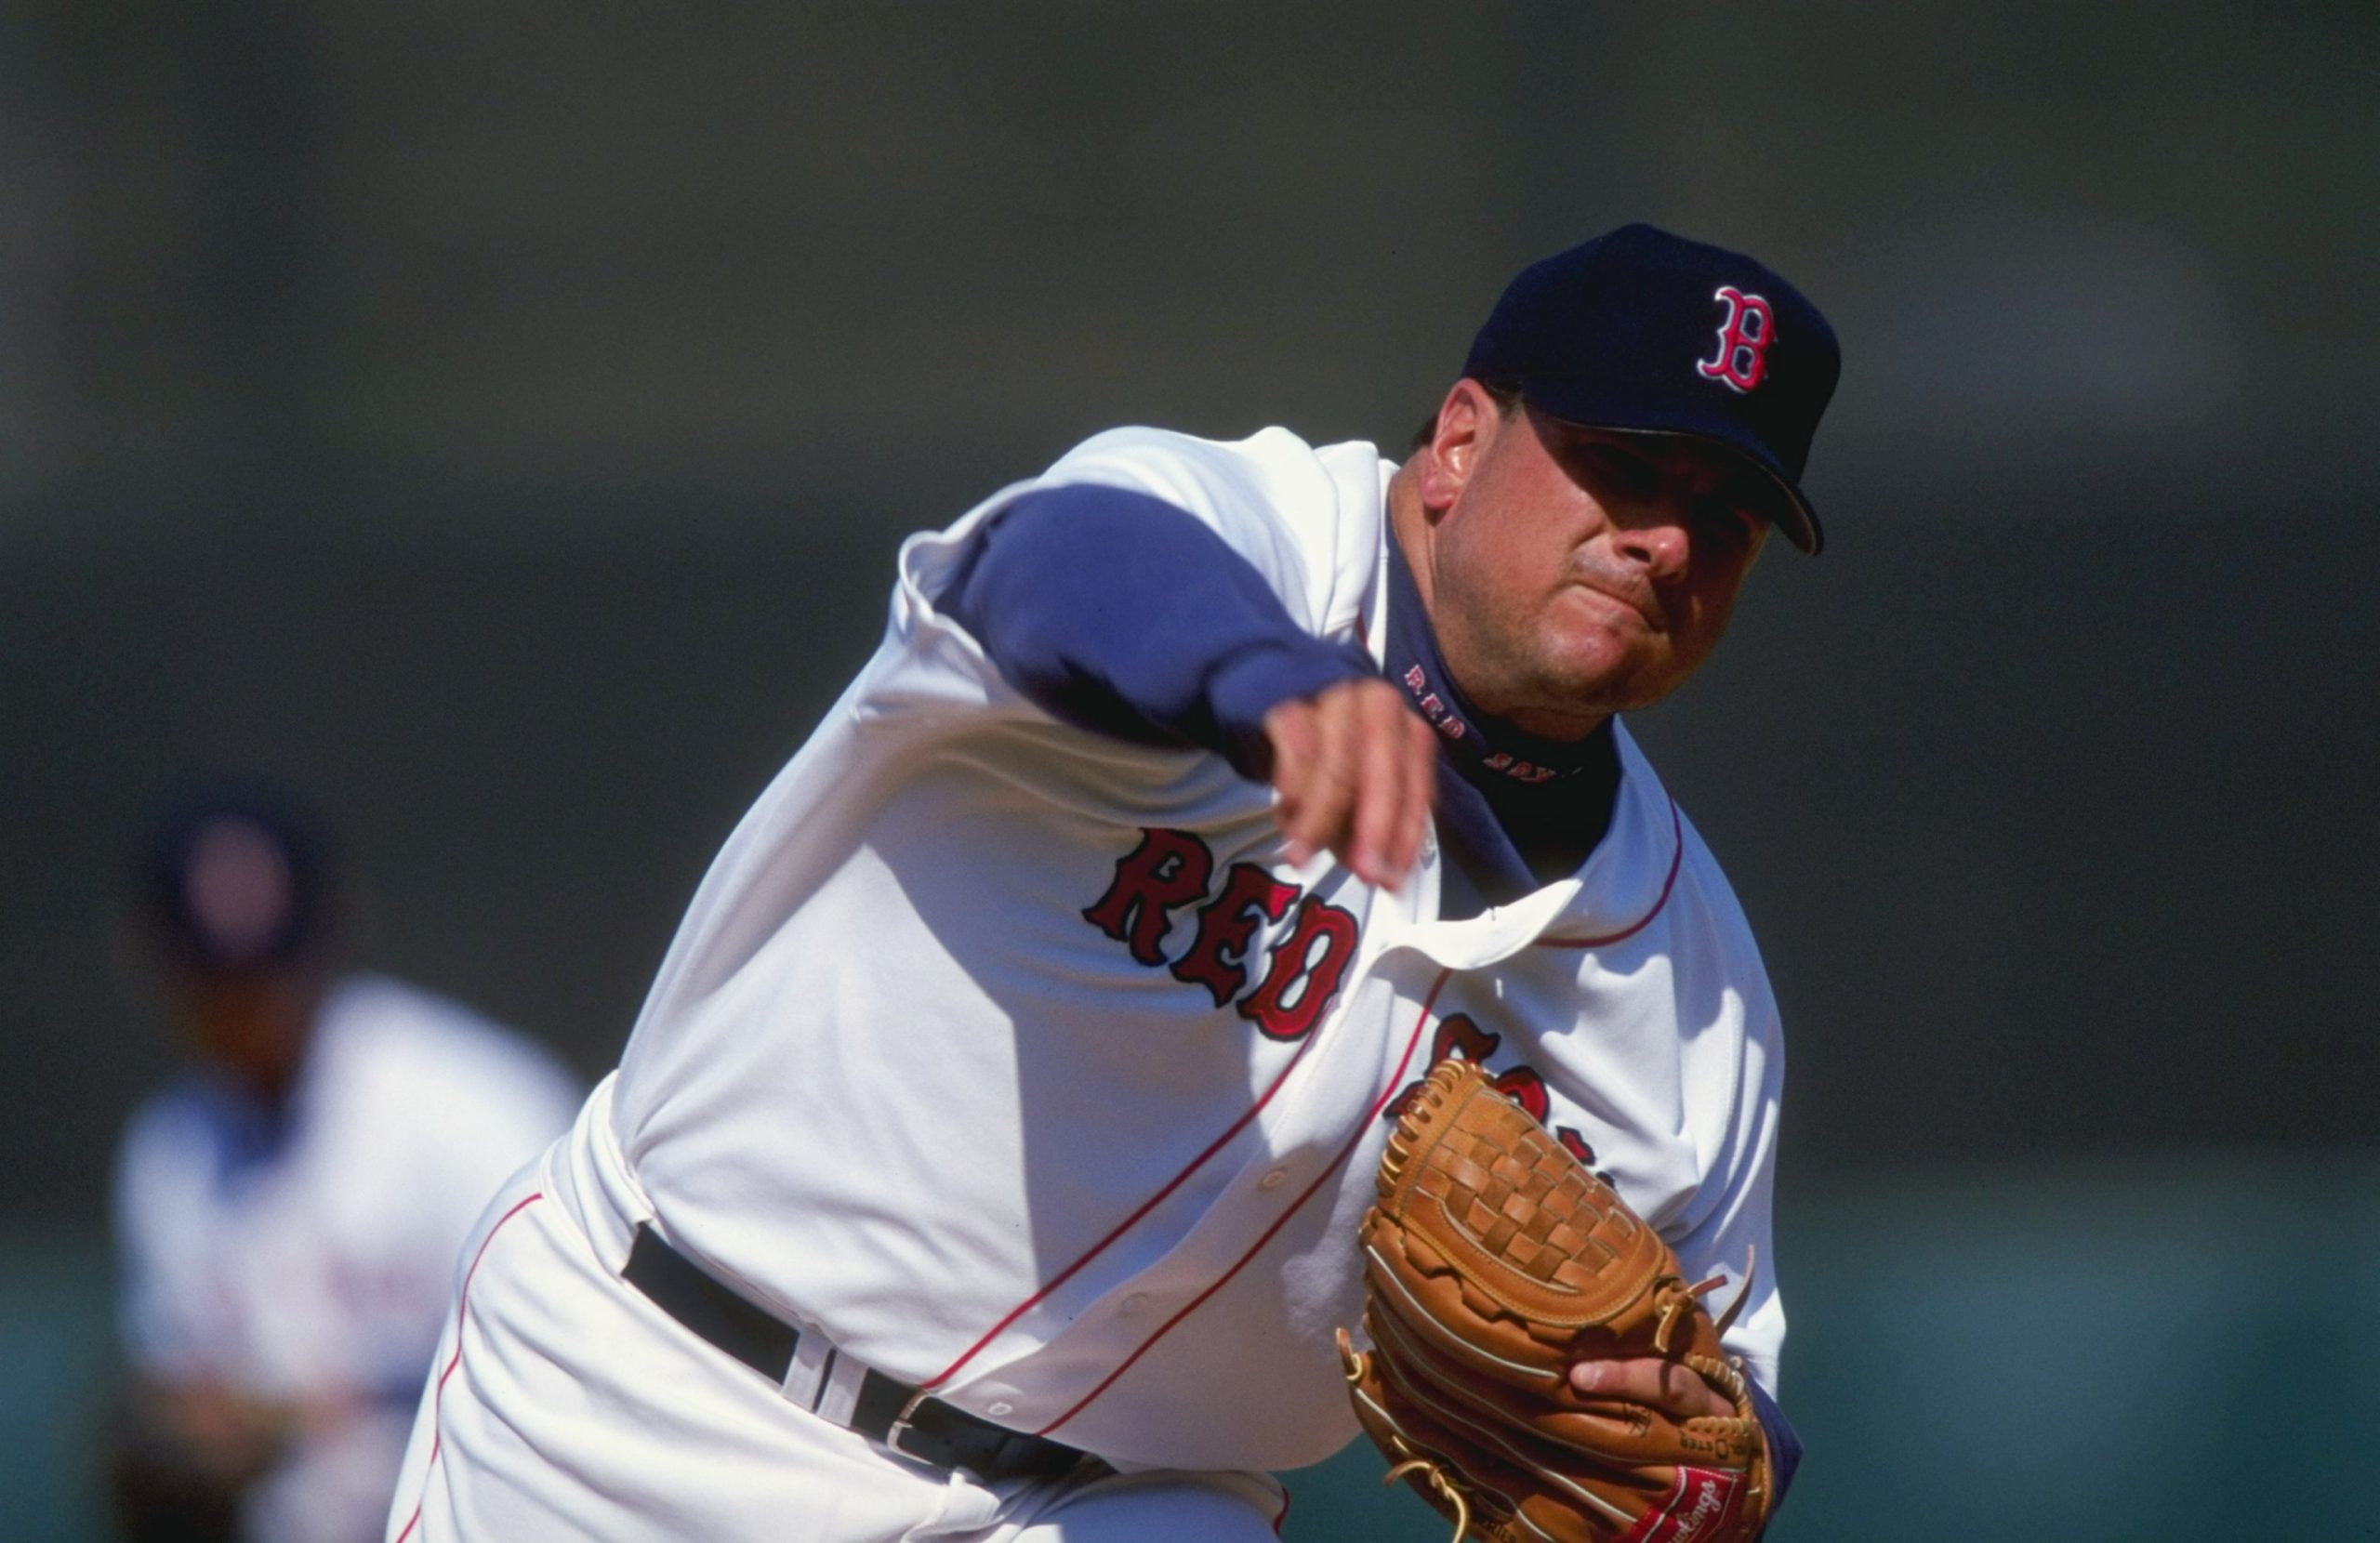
x=1273 y=469
x=171 y=1128
x=1269 y=452
x=1309 y=516
x=177 y=1147
x=397 y=1038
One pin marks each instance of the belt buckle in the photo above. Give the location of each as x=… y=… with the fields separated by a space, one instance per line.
x=900 y=1426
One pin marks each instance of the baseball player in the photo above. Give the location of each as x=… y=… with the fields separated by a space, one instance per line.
x=286 y=1210
x=987 y=1158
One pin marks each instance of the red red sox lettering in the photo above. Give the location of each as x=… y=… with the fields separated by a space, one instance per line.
x=1171 y=870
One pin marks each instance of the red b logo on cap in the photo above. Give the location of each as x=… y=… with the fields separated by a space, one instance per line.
x=1743 y=340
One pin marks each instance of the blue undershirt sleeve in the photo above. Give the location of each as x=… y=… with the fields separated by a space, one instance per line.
x=1118 y=612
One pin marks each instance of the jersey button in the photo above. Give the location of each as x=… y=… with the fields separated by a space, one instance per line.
x=1000 y=1409
x=1133 y=1304
x=1273 y=1180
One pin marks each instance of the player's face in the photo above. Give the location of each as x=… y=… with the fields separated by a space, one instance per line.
x=1577 y=572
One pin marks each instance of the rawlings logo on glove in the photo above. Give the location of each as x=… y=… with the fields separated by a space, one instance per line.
x=1493 y=1261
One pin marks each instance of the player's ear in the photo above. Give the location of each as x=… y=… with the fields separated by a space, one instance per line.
x=1465 y=419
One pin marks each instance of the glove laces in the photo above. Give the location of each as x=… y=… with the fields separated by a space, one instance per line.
x=1351 y=1363
x=1446 y=1488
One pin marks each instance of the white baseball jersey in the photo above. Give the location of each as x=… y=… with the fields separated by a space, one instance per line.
x=1021 y=1061
x=311 y=1260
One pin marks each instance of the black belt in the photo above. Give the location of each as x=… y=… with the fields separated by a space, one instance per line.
x=889 y=1410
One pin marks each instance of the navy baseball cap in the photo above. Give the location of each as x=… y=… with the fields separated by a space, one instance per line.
x=236 y=879
x=1643 y=332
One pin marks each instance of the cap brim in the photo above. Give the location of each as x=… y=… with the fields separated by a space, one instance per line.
x=1796 y=518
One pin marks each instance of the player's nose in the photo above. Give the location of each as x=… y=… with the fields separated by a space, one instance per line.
x=1656 y=538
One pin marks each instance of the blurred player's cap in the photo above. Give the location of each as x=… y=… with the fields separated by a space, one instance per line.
x=1643 y=332
x=236 y=879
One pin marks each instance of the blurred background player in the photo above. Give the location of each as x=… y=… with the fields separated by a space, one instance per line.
x=287 y=1209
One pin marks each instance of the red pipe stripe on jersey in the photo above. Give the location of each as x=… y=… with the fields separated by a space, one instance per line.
x=1396 y=1082
x=438 y=1398
x=1678 y=857
x=1020 y=1308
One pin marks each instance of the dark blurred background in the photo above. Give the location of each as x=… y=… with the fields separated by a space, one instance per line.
x=498 y=420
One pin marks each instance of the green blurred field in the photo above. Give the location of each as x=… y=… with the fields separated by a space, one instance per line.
x=57 y=1353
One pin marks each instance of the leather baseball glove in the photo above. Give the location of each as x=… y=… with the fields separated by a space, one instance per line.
x=1494 y=1259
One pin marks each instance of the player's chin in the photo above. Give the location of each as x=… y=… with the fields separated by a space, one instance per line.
x=1614 y=673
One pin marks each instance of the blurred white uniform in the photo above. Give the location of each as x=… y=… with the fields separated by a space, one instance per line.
x=308 y=1257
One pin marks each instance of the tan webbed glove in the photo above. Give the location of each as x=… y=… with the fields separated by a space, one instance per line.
x=1494 y=1259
